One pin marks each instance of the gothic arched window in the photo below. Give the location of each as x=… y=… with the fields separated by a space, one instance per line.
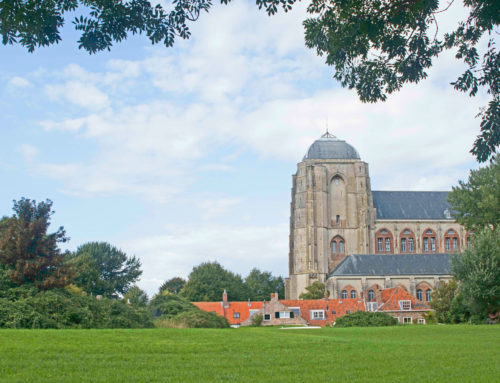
x=407 y=241
x=420 y=295
x=371 y=296
x=353 y=294
x=451 y=241
x=429 y=241
x=344 y=294
x=384 y=243
x=338 y=245
x=428 y=295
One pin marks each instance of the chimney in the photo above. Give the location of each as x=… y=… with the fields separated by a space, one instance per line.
x=326 y=294
x=224 y=299
x=274 y=297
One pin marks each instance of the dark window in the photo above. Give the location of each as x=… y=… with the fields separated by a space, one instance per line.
x=236 y=315
x=433 y=244
x=419 y=295
x=292 y=314
x=337 y=219
x=447 y=244
x=380 y=244
x=455 y=243
x=277 y=314
x=428 y=295
x=353 y=294
x=344 y=294
x=387 y=245
x=426 y=245
x=403 y=245
x=341 y=247
x=410 y=245
x=348 y=311
x=267 y=316
x=371 y=295
x=334 y=247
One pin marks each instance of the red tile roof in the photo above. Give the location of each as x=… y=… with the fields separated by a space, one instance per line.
x=243 y=308
x=390 y=300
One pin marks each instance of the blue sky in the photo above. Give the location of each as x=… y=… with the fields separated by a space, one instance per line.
x=183 y=155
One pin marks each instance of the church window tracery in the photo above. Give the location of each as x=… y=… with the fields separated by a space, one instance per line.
x=429 y=241
x=419 y=295
x=337 y=245
x=407 y=240
x=384 y=241
x=451 y=240
x=371 y=295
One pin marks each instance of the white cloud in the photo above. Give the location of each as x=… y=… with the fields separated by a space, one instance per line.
x=81 y=94
x=214 y=207
x=238 y=249
x=29 y=152
x=19 y=82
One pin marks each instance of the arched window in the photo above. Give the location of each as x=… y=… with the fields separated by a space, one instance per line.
x=407 y=241
x=371 y=296
x=344 y=294
x=337 y=245
x=353 y=294
x=468 y=239
x=419 y=295
x=451 y=241
x=384 y=241
x=428 y=295
x=429 y=241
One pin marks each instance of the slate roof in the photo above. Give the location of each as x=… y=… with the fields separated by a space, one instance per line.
x=411 y=205
x=330 y=147
x=394 y=264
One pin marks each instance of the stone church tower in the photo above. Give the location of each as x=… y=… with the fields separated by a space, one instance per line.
x=330 y=212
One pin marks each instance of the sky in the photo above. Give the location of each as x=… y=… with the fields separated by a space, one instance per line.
x=185 y=155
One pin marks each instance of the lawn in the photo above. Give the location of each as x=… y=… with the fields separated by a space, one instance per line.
x=396 y=354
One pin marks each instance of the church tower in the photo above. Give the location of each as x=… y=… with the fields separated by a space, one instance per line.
x=331 y=212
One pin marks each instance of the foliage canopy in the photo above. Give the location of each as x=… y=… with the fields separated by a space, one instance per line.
x=314 y=291
x=29 y=253
x=476 y=203
x=261 y=284
x=102 y=269
x=478 y=273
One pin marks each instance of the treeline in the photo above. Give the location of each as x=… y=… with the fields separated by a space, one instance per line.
x=94 y=286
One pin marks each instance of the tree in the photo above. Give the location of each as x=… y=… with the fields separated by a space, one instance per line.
x=173 y=285
x=442 y=298
x=377 y=46
x=208 y=281
x=374 y=46
x=102 y=269
x=478 y=272
x=314 y=291
x=136 y=297
x=476 y=203
x=37 y=23
x=260 y=285
x=28 y=252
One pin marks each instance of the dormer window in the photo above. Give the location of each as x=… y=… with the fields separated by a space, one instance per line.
x=405 y=305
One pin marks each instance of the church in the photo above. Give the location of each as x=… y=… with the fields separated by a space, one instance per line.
x=359 y=241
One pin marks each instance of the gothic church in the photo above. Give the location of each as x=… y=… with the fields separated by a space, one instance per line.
x=359 y=241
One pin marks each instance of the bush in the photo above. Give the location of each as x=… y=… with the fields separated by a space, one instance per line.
x=257 y=320
x=173 y=311
x=60 y=308
x=366 y=319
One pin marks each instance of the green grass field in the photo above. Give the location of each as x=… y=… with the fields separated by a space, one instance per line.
x=392 y=354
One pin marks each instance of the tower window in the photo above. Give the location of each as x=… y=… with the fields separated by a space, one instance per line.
x=341 y=247
x=337 y=245
x=337 y=219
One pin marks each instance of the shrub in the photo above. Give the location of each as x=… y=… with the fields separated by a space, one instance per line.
x=366 y=319
x=257 y=320
x=174 y=311
x=60 y=308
